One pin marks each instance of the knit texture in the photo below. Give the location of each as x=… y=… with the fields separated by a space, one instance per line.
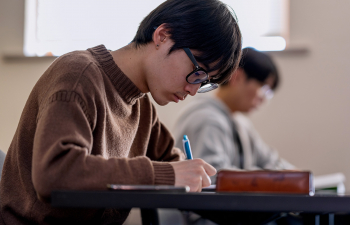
x=85 y=125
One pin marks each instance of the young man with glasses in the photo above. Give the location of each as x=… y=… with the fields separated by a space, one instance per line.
x=219 y=131
x=89 y=122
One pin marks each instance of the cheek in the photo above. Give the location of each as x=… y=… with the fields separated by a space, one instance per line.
x=170 y=73
x=168 y=81
x=175 y=77
x=252 y=95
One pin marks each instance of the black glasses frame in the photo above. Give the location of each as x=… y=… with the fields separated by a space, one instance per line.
x=198 y=68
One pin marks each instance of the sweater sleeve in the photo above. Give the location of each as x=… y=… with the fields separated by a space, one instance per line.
x=61 y=153
x=161 y=148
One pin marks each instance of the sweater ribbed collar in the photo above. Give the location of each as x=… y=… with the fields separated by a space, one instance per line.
x=125 y=87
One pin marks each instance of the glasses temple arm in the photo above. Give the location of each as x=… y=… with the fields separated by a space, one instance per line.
x=190 y=55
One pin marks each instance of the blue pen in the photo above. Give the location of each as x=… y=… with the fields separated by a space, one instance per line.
x=187 y=147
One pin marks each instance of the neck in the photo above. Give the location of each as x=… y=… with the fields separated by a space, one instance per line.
x=226 y=98
x=130 y=60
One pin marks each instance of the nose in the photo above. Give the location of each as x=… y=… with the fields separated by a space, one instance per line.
x=192 y=89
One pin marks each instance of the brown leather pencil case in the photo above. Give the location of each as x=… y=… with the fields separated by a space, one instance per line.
x=265 y=181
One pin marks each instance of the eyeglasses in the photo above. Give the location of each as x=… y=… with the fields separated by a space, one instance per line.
x=199 y=76
x=266 y=92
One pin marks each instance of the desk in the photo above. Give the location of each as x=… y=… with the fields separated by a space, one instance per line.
x=203 y=201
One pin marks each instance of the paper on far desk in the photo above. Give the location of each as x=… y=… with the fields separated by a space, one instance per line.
x=334 y=180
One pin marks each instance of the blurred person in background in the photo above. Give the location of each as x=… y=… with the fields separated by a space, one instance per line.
x=222 y=135
x=220 y=132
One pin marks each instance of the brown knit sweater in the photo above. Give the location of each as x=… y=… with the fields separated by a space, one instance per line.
x=85 y=125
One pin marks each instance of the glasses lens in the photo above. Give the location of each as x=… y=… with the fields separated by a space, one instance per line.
x=207 y=87
x=197 y=77
x=266 y=92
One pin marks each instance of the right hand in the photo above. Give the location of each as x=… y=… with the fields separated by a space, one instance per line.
x=193 y=173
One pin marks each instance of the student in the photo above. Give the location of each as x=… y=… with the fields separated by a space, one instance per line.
x=88 y=121
x=219 y=131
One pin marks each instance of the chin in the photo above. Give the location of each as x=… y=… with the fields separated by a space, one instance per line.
x=159 y=98
x=160 y=102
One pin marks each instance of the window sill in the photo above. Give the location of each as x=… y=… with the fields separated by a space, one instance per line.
x=292 y=50
x=19 y=57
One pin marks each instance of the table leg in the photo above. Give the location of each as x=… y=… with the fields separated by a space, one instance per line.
x=317 y=219
x=149 y=217
x=331 y=219
x=312 y=219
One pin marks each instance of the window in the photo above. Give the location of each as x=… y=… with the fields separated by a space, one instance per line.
x=54 y=27
x=263 y=23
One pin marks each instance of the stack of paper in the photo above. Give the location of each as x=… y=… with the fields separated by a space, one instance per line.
x=332 y=182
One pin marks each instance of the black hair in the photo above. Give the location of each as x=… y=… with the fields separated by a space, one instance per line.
x=259 y=66
x=208 y=26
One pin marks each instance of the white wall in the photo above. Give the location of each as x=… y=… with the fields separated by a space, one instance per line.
x=17 y=77
x=307 y=121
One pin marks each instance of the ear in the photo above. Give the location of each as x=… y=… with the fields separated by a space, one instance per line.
x=237 y=77
x=161 y=35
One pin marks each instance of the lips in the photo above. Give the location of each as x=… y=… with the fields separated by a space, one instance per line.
x=178 y=98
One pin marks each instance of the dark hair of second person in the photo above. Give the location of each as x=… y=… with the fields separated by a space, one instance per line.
x=259 y=66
